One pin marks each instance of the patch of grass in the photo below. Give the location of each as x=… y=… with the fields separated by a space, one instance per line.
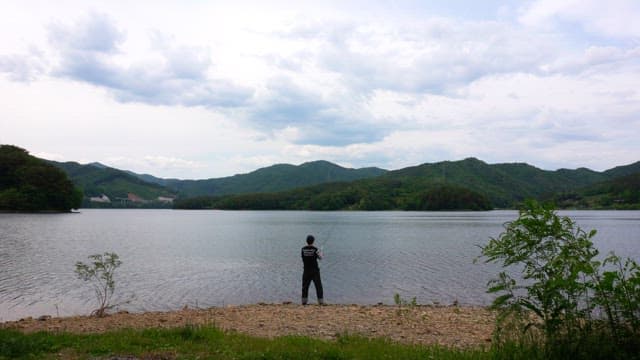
x=211 y=343
x=14 y=344
x=208 y=342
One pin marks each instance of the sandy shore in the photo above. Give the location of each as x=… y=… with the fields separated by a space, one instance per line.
x=444 y=325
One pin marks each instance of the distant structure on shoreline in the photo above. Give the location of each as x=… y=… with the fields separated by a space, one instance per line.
x=100 y=199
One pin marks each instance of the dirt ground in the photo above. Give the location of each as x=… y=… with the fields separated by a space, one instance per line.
x=445 y=325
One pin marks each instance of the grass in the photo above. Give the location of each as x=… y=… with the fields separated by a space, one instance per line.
x=208 y=342
x=211 y=343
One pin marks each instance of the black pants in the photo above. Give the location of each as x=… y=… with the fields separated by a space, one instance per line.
x=307 y=277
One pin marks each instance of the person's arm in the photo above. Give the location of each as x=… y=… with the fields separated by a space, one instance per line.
x=319 y=254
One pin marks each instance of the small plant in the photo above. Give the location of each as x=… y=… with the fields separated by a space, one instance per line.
x=403 y=304
x=397 y=299
x=618 y=293
x=100 y=273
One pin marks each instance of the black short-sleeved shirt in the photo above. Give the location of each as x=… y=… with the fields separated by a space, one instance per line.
x=310 y=258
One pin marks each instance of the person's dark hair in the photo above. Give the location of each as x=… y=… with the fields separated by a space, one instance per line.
x=310 y=239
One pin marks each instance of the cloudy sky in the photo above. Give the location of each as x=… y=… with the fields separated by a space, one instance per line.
x=200 y=89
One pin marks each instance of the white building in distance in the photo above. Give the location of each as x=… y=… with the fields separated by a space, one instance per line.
x=100 y=199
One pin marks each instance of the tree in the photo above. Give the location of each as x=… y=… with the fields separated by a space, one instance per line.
x=557 y=259
x=100 y=274
x=30 y=184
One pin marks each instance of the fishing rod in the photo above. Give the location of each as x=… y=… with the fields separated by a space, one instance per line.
x=328 y=236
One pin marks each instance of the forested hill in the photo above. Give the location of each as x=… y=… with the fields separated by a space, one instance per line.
x=274 y=178
x=620 y=171
x=619 y=193
x=329 y=186
x=424 y=187
x=375 y=194
x=30 y=184
x=96 y=180
x=504 y=184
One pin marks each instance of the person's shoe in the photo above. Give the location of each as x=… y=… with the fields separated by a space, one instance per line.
x=321 y=302
x=304 y=301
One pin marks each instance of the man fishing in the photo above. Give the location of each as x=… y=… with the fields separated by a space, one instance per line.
x=310 y=257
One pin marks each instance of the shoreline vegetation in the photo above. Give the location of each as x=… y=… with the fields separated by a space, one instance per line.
x=384 y=195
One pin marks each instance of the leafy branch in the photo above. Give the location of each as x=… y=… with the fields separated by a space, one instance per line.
x=99 y=272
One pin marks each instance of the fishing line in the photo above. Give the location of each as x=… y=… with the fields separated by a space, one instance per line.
x=328 y=236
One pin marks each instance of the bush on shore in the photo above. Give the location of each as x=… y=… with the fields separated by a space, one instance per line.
x=566 y=302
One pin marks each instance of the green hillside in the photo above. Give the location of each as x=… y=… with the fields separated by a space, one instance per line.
x=504 y=184
x=274 y=178
x=359 y=195
x=30 y=184
x=620 y=171
x=465 y=184
x=95 y=180
x=327 y=186
x=620 y=193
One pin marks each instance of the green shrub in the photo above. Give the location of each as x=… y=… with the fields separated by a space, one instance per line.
x=562 y=301
x=618 y=294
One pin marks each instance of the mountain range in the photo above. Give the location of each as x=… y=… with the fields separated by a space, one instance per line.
x=508 y=183
x=274 y=178
x=504 y=185
x=96 y=179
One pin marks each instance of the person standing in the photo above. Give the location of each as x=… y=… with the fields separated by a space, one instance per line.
x=311 y=272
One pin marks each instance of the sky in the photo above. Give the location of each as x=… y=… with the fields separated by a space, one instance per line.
x=200 y=89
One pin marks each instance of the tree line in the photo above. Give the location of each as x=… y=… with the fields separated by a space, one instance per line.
x=382 y=194
x=30 y=184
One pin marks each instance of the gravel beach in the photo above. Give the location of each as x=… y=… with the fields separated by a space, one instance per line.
x=455 y=326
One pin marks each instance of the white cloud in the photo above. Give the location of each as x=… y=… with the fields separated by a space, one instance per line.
x=434 y=55
x=212 y=89
x=24 y=67
x=616 y=18
x=154 y=163
x=90 y=51
x=50 y=156
x=597 y=59
x=95 y=33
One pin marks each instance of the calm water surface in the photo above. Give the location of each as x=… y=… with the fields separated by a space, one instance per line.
x=212 y=258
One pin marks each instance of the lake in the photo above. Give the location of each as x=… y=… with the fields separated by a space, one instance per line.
x=174 y=258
